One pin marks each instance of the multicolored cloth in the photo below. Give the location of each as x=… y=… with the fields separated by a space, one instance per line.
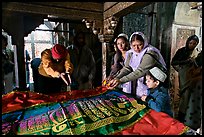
x=83 y=112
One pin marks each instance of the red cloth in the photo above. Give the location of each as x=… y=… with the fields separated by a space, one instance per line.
x=17 y=100
x=59 y=51
x=155 y=123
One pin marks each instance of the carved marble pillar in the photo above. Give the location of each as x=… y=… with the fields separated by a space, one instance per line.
x=105 y=40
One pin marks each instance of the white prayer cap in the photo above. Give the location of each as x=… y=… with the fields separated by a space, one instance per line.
x=158 y=74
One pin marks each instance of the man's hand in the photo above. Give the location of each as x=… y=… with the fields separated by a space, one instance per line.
x=66 y=78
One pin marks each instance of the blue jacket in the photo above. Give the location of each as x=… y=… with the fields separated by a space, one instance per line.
x=159 y=100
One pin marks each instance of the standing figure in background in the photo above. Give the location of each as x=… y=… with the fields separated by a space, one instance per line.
x=139 y=59
x=7 y=67
x=157 y=96
x=54 y=70
x=189 y=74
x=27 y=62
x=84 y=64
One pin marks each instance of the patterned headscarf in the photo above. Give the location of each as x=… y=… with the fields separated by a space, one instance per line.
x=135 y=61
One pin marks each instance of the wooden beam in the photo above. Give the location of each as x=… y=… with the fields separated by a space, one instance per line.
x=87 y=6
x=108 y=5
x=123 y=8
x=70 y=11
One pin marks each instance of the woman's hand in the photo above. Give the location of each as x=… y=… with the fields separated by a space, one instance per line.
x=109 y=78
x=106 y=80
x=113 y=83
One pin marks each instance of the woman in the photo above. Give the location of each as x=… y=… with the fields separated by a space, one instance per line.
x=122 y=46
x=54 y=69
x=185 y=65
x=139 y=59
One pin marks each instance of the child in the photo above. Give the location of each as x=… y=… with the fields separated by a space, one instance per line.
x=157 y=96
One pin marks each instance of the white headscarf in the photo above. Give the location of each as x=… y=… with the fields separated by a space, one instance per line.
x=146 y=48
x=135 y=61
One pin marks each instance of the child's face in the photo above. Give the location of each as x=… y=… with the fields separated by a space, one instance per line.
x=150 y=82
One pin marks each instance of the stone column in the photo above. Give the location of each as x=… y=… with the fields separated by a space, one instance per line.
x=105 y=40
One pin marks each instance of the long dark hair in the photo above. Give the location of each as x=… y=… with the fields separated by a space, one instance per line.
x=193 y=37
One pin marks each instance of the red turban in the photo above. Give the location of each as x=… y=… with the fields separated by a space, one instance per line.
x=59 y=51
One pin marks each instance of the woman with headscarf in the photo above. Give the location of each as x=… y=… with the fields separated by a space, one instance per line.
x=139 y=59
x=54 y=70
x=184 y=64
x=121 y=47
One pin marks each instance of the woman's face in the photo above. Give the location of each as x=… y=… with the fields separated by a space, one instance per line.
x=137 y=45
x=121 y=44
x=192 y=44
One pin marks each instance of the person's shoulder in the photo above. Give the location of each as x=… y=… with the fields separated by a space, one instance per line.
x=151 y=51
x=152 y=54
x=46 y=52
x=163 y=89
x=87 y=49
x=181 y=49
x=9 y=51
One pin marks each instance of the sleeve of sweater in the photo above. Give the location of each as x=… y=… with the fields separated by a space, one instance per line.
x=147 y=63
x=157 y=102
x=68 y=65
x=178 y=58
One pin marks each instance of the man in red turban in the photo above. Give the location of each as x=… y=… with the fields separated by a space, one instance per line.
x=55 y=69
x=59 y=52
